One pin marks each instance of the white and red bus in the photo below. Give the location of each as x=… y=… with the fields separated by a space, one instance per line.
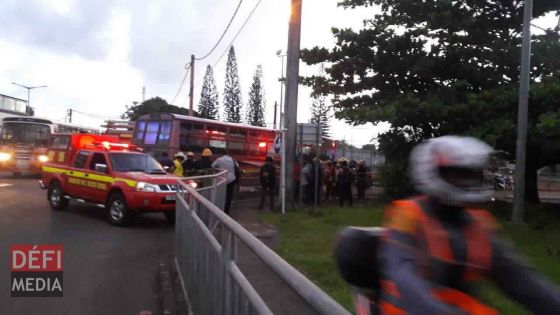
x=162 y=132
x=24 y=142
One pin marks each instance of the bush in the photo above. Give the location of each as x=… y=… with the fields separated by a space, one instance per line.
x=393 y=177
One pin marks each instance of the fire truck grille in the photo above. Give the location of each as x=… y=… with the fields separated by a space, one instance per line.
x=23 y=153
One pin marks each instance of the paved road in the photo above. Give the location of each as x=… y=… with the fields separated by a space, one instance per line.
x=107 y=270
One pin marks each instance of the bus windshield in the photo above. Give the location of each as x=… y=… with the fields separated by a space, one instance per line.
x=25 y=133
x=132 y=162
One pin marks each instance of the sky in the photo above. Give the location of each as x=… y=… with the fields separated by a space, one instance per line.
x=96 y=56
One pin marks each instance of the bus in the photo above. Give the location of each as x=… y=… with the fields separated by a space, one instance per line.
x=24 y=142
x=171 y=133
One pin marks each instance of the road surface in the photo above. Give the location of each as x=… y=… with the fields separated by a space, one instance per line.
x=107 y=269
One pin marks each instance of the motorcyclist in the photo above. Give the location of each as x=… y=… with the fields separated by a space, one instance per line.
x=438 y=245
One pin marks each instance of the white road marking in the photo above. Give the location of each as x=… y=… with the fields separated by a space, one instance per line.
x=2 y=185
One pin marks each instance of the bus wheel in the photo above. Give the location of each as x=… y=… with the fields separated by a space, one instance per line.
x=118 y=211
x=56 y=197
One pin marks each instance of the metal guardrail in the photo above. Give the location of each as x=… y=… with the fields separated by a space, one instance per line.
x=206 y=244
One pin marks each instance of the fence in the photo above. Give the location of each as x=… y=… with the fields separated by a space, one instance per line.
x=210 y=247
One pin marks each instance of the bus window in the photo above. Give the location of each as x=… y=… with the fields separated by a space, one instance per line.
x=165 y=132
x=217 y=146
x=216 y=131
x=186 y=127
x=140 y=127
x=60 y=142
x=151 y=132
x=236 y=147
x=237 y=133
x=197 y=128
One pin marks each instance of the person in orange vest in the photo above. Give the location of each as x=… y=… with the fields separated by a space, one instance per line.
x=438 y=245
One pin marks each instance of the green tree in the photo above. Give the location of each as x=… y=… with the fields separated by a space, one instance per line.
x=153 y=105
x=255 y=113
x=232 y=90
x=208 y=107
x=320 y=114
x=439 y=67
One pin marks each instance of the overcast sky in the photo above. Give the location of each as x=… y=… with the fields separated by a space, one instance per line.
x=95 y=56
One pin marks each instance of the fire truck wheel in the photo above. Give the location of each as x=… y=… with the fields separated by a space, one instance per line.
x=170 y=216
x=56 y=196
x=118 y=210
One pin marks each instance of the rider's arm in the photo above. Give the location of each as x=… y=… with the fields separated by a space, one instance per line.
x=399 y=265
x=521 y=282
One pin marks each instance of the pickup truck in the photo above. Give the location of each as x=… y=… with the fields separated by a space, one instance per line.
x=112 y=176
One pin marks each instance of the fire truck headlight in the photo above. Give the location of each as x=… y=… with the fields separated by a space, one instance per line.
x=5 y=156
x=43 y=158
x=145 y=187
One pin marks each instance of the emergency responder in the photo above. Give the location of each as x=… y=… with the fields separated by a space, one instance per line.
x=178 y=164
x=188 y=164
x=267 y=177
x=437 y=246
x=204 y=163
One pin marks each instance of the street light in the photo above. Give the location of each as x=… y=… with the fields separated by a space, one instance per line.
x=29 y=88
x=280 y=54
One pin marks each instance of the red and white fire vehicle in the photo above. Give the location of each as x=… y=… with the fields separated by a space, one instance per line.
x=116 y=176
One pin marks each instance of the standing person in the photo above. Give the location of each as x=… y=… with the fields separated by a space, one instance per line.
x=205 y=162
x=329 y=180
x=267 y=178
x=188 y=164
x=226 y=162
x=344 y=180
x=297 y=179
x=166 y=162
x=361 y=178
x=177 y=169
x=439 y=245
x=305 y=180
x=316 y=180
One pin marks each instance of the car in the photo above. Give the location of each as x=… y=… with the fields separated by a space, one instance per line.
x=111 y=175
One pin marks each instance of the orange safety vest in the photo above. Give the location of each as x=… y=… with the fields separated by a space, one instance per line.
x=408 y=216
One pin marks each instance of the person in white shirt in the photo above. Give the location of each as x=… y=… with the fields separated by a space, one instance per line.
x=226 y=162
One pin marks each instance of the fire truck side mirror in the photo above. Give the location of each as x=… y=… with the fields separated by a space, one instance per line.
x=101 y=168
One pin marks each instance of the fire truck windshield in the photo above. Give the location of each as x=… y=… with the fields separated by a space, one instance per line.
x=25 y=133
x=133 y=162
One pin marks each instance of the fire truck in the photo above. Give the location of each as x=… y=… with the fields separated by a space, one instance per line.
x=116 y=176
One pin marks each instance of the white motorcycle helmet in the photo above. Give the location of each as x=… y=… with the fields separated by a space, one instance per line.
x=450 y=169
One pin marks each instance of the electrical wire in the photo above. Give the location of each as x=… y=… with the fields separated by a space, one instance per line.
x=182 y=84
x=223 y=34
x=238 y=32
x=93 y=115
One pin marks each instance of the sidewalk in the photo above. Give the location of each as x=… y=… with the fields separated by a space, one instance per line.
x=280 y=297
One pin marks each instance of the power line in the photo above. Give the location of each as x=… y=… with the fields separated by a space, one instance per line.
x=181 y=85
x=223 y=34
x=92 y=115
x=238 y=32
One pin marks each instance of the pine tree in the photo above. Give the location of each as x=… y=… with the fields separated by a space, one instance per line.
x=255 y=113
x=208 y=107
x=320 y=114
x=232 y=90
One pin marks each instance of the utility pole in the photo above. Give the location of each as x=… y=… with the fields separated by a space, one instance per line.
x=521 y=146
x=191 y=89
x=143 y=94
x=282 y=79
x=290 y=107
x=275 y=110
x=69 y=115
